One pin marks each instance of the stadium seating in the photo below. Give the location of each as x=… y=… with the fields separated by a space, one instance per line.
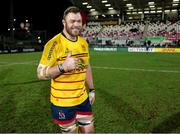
x=132 y=34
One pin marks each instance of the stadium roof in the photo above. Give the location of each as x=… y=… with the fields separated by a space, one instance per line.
x=124 y=6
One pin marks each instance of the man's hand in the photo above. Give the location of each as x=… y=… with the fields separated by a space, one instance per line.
x=70 y=63
x=91 y=96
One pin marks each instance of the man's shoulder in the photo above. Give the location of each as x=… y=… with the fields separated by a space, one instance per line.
x=53 y=41
x=55 y=38
x=82 y=38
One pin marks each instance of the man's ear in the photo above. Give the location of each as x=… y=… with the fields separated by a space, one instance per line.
x=63 y=21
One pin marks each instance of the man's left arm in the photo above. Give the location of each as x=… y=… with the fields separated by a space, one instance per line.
x=89 y=82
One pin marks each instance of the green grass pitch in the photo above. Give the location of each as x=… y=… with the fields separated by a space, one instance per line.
x=135 y=92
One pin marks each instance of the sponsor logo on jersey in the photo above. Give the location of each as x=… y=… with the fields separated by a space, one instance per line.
x=81 y=63
x=51 y=50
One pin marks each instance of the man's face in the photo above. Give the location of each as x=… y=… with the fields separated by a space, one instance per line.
x=73 y=24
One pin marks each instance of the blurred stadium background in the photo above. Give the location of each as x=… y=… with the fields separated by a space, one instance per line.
x=135 y=52
x=113 y=23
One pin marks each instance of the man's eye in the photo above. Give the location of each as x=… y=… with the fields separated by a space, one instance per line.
x=72 y=21
x=79 y=21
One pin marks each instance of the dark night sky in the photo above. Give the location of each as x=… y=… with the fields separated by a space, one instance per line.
x=43 y=14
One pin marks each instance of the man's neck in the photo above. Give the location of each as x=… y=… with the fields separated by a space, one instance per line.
x=69 y=37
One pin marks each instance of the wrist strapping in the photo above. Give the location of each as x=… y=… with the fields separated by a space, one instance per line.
x=61 y=68
x=91 y=90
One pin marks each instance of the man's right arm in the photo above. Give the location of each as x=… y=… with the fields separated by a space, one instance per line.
x=44 y=72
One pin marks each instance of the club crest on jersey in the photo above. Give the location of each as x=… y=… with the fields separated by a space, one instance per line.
x=83 y=47
x=66 y=51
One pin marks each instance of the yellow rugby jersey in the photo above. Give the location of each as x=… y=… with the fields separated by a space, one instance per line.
x=69 y=88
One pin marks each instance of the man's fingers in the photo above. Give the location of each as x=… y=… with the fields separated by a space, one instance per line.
x=76 y=61
x=91 y=98
x=73 y=64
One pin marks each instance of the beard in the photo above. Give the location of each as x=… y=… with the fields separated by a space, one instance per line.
x=74 y=32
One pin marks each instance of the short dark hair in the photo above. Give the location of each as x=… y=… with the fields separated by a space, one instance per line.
x=71 y=9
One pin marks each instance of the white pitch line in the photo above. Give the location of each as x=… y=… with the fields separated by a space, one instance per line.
x=98 y=67
x=18 y=63
x=3 y=62
x=137 y=69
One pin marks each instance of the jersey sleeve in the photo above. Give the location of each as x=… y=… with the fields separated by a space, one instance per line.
x=49 y=54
